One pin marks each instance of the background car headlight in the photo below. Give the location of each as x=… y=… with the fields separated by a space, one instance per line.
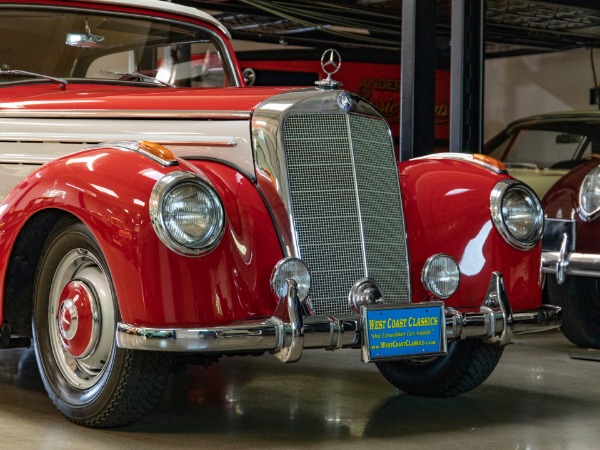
x=440 y=275
x=589 y=193
x=517 y=213
x=186 y=213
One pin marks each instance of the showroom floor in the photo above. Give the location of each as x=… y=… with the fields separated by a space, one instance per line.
x=539 y=397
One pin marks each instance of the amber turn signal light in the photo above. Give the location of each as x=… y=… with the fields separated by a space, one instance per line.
x=490 y=160
x=157 y=150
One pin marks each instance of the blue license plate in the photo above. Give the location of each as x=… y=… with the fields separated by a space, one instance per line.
x=403 y=331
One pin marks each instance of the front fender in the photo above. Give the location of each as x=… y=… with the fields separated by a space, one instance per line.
x=447 y=209
x=108 y=189
x=562 y=202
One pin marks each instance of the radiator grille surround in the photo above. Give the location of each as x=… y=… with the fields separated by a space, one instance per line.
x=345 y=206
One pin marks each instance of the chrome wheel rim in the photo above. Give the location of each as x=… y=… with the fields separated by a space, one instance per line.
x=81 y=318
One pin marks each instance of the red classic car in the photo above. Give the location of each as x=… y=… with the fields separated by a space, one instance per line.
x=571 y=256
x=155 y=211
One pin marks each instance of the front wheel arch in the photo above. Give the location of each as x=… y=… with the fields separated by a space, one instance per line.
x=21 y=267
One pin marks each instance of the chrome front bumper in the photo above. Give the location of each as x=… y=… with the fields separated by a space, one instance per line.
x=287 y=333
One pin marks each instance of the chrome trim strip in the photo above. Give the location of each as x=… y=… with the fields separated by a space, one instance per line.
x=124 y=114
x=286 y=333
x=463 y=157
x=214 y=142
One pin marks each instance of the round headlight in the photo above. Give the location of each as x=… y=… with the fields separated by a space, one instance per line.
x=589 y=193
x=440 y=275
x=290 y=268
x=517 y=213
x=186 y=213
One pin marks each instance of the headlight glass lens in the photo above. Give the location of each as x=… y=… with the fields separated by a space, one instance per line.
x=520 y=214
x=190 y=214
x=290 y=268
x=187 y=213
x=517 y=213
x=440 y=276
x=589 y=195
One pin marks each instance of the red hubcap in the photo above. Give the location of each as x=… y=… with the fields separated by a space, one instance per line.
x=76 y=319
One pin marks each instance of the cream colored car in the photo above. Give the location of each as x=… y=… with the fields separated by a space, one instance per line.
x=539 y=150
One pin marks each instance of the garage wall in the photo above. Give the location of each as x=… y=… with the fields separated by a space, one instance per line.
x=521 y=86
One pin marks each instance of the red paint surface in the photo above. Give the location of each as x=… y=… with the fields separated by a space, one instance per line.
x=108 y=190
x=562 y=202
x=447 y=210
x=31 y=97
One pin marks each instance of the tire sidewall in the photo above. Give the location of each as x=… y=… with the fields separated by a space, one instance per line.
x=73 y=402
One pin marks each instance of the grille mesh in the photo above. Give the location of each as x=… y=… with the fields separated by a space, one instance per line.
x=346 y=205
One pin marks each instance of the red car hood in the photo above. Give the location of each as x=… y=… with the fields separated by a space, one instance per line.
x=90 y=97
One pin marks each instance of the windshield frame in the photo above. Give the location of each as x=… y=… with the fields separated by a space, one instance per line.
x=215 y=35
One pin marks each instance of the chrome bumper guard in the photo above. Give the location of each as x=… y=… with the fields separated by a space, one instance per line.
x=287 y=333
x=558 y=255
x=562 y=263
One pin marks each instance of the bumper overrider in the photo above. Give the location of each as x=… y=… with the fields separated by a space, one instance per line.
x=559 y=257
x=289 y=332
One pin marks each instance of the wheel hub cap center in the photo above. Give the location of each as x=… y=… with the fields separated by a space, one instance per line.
x=78 y=319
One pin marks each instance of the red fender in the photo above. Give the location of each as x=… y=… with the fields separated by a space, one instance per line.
x=447 y=208
x=108 y=189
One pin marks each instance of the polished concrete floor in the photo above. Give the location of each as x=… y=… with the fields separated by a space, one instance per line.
x=539 y=397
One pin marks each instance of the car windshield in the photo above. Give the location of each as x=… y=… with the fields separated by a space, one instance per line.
x=560 y=145
x=89 y=45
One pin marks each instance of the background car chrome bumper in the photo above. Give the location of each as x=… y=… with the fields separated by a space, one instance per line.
x=562 y=264
x=287 y=333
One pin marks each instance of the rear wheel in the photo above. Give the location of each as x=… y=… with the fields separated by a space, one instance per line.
x=467 y=364
x=89 y=379
x=579 y=298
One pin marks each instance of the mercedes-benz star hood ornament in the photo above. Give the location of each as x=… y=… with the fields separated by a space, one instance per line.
x=331 y=61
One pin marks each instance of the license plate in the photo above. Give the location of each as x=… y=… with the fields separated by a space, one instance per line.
x=403 y=331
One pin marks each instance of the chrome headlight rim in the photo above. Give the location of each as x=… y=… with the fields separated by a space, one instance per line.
x=502 y=188
x=588 y=214
x=161 y=189
x=425 y=275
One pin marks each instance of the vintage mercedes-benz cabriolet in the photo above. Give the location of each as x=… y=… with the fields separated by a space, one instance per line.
x=155 y=211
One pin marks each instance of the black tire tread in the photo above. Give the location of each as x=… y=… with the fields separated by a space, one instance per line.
x=468 y=364
x=145 y=375
x=579 y=298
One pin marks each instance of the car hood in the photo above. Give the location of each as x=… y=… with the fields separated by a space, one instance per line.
x=45 y=97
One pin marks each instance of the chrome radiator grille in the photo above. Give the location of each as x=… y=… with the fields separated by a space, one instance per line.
x=346 y=206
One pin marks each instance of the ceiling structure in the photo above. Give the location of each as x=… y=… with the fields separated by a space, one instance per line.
x=513 y=27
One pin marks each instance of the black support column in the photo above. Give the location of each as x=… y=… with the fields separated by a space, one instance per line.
x=417 y=86
x=467 y=75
